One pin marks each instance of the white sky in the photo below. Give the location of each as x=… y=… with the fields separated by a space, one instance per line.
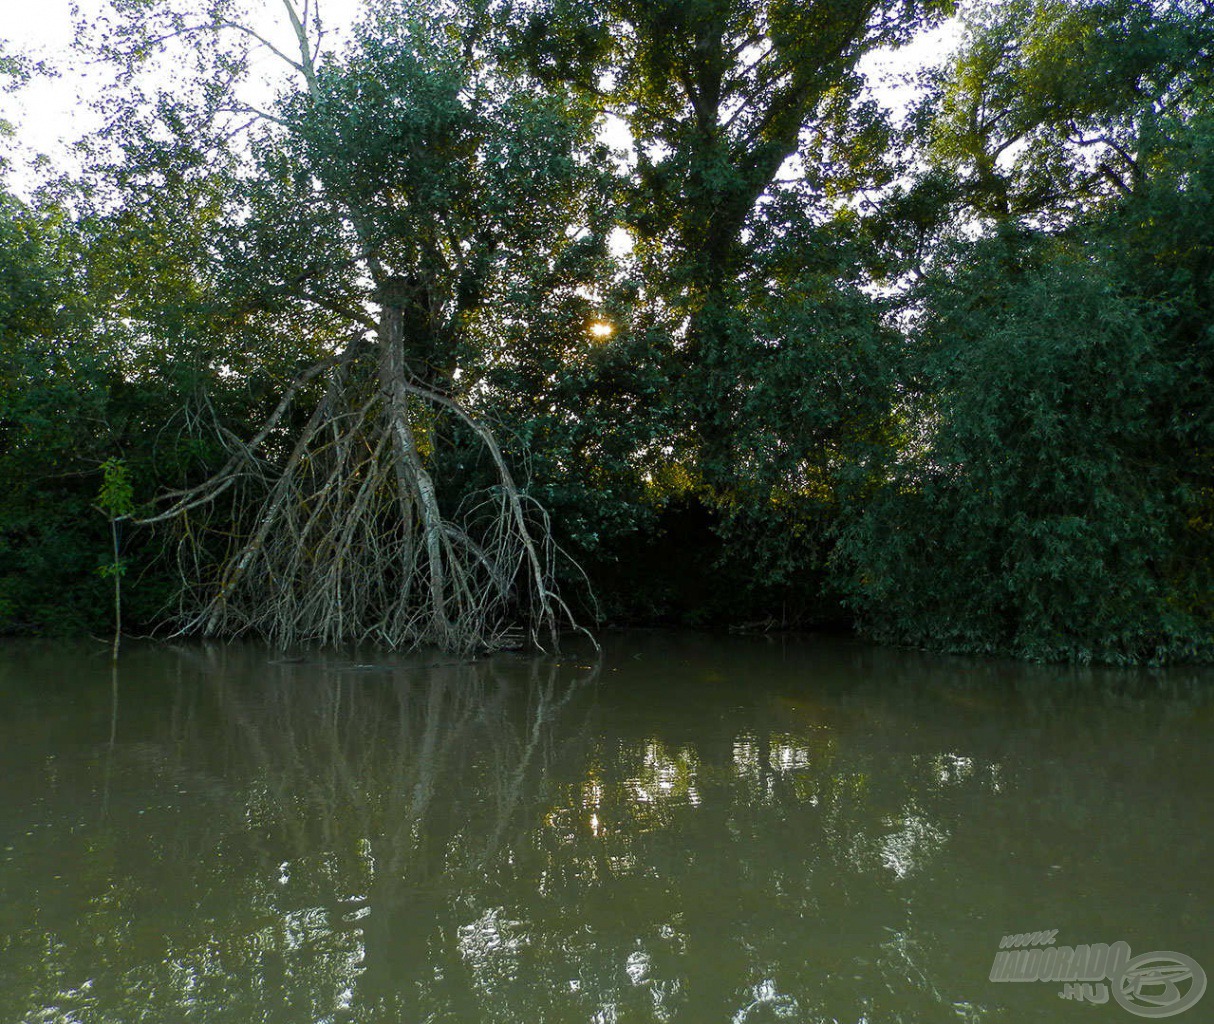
x=41 y=112
x=49 y=114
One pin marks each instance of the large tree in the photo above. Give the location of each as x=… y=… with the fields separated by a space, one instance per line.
x=393 y=193
x=749 y=123
x=747 y=317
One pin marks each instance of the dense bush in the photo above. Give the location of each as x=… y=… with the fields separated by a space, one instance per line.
x=1049 y=508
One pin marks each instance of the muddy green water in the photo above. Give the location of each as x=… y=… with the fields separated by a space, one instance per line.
x=688 y=829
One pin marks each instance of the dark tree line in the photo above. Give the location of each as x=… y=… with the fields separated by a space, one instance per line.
x=377 y=367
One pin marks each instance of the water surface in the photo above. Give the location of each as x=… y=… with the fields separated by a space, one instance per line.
x=687 y=829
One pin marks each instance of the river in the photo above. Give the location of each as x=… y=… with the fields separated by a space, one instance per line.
x=687 y=828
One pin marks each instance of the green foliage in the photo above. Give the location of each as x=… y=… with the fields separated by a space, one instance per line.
x=1051 y=108
x=71 y=394
x=1050 y=495
x=116 y=498
x=957 y=369
x=1038 y=514
x=747 y=364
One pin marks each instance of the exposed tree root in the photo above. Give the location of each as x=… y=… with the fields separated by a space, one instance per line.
x=344 y=536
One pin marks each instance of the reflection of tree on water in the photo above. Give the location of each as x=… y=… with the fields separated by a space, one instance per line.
x=735 y=876
x=385 y=793
x=494 y=842
x=282 y=842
